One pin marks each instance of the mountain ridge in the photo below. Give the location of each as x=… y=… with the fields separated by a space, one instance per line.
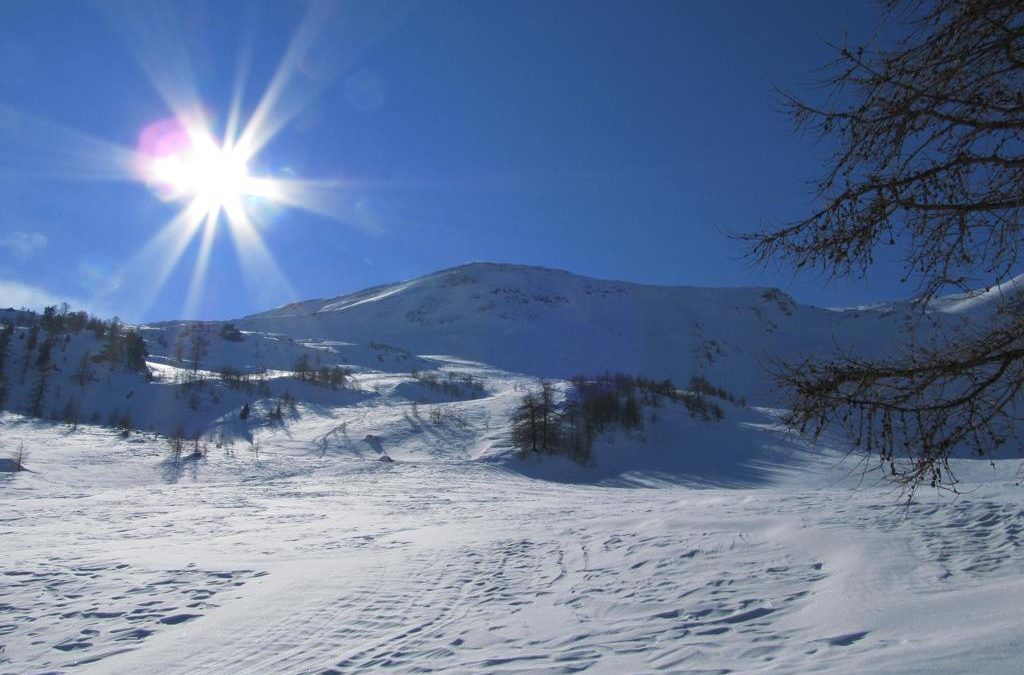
x=554 y=323
x=486 y=266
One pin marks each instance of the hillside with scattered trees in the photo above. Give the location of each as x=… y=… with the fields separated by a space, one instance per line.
x=567 y=421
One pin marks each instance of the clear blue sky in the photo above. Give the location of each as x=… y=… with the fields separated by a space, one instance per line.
x=612 y=139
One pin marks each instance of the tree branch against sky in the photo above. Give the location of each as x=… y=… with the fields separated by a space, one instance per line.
x=928 y=157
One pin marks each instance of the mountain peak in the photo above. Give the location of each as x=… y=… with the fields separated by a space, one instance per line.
x=554 y=323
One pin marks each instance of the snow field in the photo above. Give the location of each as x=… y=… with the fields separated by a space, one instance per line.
x=331 y=561
x=390 y=526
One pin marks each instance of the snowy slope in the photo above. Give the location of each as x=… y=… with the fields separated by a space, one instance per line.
x=306 y=559
x=489 y=322
x=982 y=302
x=551 y=323
x=388 y=525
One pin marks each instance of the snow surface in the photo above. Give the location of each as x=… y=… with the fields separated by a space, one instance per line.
x=390 y=526
x=312 y=558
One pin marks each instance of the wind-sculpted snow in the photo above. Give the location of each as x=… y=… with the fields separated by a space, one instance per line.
x=298 y=562
x=100 y=609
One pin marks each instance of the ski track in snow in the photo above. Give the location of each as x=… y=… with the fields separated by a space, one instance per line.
x=338 y=566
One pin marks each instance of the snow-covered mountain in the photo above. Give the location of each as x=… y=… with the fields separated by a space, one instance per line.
x=550 y=323
x=455 y=335
x=510 y=321
x=332 y=487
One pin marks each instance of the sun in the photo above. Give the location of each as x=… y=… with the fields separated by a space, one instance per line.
x=208 y=167
x=183 y=163
x=214 y=175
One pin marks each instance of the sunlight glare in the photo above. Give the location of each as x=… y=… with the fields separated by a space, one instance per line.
x=186 y=163
x=208 y=171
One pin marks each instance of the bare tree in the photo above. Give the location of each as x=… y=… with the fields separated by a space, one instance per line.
x=526 y=422
x=70 y=414
x=177 y=443
x=929 y=157
x=20 y=456
x=549 y=419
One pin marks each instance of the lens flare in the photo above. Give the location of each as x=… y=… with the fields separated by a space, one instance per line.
x=178 y=163
x=209 y=176
x=181 y=161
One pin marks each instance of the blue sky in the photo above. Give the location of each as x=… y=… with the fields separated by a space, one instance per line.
x=613 y=139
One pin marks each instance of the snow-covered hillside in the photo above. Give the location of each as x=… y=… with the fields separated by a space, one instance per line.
x=332 y=487
x=456 y=336
x=551 y=323
x=311 y=556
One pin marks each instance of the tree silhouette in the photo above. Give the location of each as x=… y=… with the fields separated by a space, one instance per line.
x=928 y=156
